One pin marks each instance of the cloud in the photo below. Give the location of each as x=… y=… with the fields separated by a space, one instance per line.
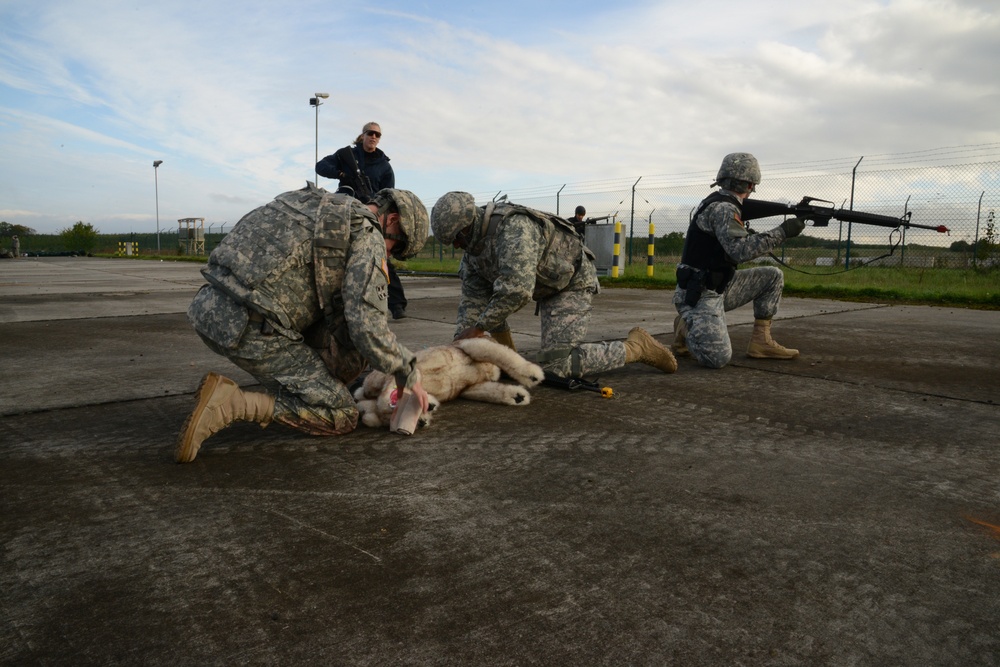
x=95 y=90
x=7 y=213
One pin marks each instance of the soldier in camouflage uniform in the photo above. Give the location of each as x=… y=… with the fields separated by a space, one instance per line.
x=514 y=254
x=708 y=283
x=296 y=296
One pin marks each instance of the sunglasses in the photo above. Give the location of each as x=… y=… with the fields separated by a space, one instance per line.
x=373 y=133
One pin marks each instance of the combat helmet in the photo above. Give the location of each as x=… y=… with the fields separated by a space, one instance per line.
x=412 y=219
x=451 y=214
x=739 y=167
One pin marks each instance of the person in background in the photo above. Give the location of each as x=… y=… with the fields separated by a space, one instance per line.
x=578 y=221
x=17 y=246
x=363 y=169
x=708 y=283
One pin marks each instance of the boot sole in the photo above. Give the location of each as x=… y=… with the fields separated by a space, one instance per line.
x=186 y=451
x=784 y=357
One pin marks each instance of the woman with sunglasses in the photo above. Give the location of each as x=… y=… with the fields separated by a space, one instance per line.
x=363 y=169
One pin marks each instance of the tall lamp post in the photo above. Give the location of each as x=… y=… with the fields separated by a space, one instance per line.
x=156 y=184
x=315 y=102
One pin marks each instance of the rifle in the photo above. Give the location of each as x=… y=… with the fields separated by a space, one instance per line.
x=820 y=215
x=356 y=180
x=593 y=221
x=570 y=384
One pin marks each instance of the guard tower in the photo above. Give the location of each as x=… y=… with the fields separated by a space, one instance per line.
x=191 y=236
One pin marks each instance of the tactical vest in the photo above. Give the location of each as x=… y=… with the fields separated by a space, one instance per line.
x=561 y=256
x=703 y=251
x=278 y=252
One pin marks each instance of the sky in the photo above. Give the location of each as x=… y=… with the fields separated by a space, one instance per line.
x=480 y=97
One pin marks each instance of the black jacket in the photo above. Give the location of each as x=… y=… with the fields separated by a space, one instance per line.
x=375 y=166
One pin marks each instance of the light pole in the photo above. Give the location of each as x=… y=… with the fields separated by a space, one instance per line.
x=315 y=101
x=156 y=184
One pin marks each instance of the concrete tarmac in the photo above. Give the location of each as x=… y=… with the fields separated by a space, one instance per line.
x=839 y=509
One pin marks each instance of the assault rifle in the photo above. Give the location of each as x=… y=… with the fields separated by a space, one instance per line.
x=820 y=215
x=354 y=178
x=594 y=221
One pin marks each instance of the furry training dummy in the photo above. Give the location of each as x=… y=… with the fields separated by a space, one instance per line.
x=469 y=368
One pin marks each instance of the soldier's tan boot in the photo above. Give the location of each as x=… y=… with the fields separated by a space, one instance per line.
x=680 y=347
x=220 y=403
x=762 y=346
x=641 y=347
x=504 y=338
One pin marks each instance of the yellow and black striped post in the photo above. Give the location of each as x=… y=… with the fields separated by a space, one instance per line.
x=618 y=250
x=649 y=250
x=121 y=248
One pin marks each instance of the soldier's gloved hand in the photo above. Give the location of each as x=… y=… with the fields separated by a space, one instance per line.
x=793 y=227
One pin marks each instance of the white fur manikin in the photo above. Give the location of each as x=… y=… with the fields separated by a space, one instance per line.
x=468 y=368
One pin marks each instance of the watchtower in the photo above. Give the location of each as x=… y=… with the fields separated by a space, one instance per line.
x=191 y=236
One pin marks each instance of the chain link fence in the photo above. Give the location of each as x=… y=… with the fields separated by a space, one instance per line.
x=956 y=187
x=936 y=187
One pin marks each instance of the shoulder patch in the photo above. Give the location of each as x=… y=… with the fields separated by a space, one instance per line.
x=385 y=268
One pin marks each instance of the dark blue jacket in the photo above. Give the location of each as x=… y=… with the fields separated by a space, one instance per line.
x=374 y=165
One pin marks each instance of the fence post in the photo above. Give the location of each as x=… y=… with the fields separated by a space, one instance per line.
x=631 y=221
x=902 y=243
x=650 y=248
x=557 y=198
x=975 y=240
x=847 y=251
x=616 y=259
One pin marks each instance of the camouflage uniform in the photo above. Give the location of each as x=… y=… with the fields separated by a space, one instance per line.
x=707 y=335
x=263 y=311
x=522 y=256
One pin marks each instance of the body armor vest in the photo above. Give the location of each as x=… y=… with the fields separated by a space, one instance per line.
x=563 y=248
x=703 y=252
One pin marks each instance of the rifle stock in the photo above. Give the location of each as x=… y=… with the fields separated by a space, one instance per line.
x=754 y=209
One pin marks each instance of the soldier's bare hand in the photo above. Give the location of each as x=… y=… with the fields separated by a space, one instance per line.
x=471 y=332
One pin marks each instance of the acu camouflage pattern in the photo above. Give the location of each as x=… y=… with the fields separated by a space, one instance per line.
x=517 y=255
x=261 y=308
x=708 y=335
x=452 y=213
x=739 y=167
x=412 y=219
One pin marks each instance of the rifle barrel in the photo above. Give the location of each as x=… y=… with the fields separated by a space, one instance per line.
x=757 y=208
x=883 y=220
